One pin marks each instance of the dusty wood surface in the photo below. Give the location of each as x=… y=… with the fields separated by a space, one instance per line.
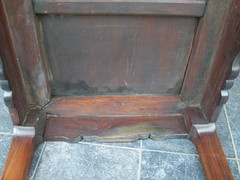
x=118 y=54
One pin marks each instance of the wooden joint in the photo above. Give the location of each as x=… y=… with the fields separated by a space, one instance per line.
x=193 y=116
x=35 y=121
x=198 y=129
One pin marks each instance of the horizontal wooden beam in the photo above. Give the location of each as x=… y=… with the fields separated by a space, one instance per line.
x=114 y=129
x=128 y=7
x=115 y=106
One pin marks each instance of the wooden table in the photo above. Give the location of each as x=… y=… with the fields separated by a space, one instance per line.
x=117 y=71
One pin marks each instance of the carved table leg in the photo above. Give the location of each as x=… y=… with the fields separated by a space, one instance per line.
x=212 y=157
x=20 y=155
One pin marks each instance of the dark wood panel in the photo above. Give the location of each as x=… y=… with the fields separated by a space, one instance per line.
x=117 y=54
x=136 y=7
x=114 y=129
x=106 y=106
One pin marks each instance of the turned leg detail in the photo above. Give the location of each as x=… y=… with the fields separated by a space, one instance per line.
x=212 y=157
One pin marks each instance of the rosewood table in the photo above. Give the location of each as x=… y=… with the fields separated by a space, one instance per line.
x=117 y=71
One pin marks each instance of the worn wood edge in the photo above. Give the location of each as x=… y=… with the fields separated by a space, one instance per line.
x=114 y=129
x=128 y=7
x=214 y=162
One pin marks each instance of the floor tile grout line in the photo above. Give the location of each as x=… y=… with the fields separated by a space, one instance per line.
x=140 y=161
x=3 y=133
x=137 y=149
x=235 y=159
x=38 y=161
x=234 y=93
x=230 y=130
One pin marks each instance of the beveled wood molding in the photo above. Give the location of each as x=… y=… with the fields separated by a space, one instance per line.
x=121 y=7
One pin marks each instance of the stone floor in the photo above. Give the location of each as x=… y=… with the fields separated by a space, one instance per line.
x=168 y=159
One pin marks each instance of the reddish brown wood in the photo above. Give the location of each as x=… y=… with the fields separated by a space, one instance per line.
x=226 y=65
x=19 y=158
x=130 y=56
x=203 y=55
x=107 y=106
x=25 y=140
x=209 y=148
x=136 y=7
x=91 y=54
x=114 y=129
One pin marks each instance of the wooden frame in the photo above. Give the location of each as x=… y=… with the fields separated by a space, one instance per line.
x=37 y=116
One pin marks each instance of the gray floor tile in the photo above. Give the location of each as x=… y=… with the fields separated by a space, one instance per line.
x=6 y=123
x=81 y=161
x=236 y=86
x=185 y=146
x=171 y=145
x=234 y=168
x=165 y=166
x=233 y=111
x=35 y=160
x=224 y=135
x=5 y=142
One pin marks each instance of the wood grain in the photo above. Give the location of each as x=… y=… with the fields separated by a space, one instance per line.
x=107 y=106
x=117 y=55
x=114 y=129
x=19 y=158
x=133 y=7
